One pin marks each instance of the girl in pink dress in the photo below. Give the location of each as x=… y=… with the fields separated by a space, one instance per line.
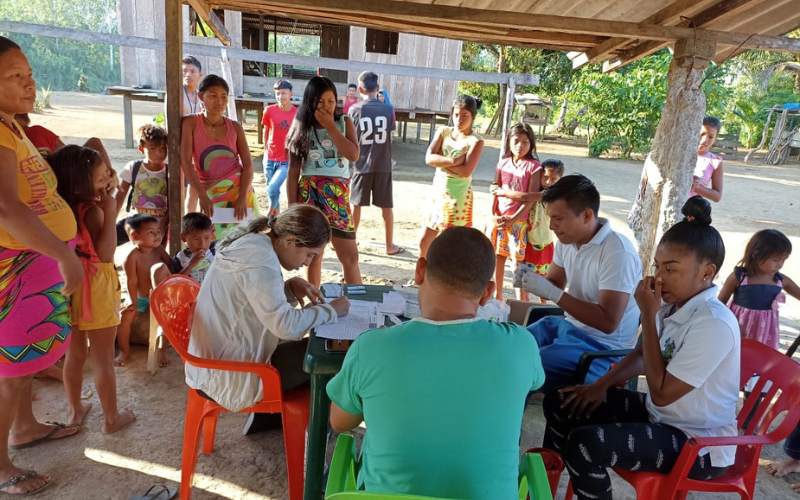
x=757 y=287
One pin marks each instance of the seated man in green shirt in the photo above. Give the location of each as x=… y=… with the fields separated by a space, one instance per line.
x=442 y=395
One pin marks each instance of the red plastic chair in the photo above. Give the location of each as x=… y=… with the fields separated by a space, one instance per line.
x=770 y=365
x=173 y=304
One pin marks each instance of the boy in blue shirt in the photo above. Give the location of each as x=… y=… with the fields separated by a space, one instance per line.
x=444 y=394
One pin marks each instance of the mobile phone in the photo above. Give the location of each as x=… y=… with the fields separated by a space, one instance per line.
x=335 y=345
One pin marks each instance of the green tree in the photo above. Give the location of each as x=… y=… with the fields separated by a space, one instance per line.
x=61 y=63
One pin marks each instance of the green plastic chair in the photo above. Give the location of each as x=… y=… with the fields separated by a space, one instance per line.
x=345 y=465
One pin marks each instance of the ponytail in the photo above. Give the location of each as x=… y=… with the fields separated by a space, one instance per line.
x=309 y=226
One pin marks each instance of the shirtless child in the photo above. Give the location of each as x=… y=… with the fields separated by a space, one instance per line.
x=145 y=234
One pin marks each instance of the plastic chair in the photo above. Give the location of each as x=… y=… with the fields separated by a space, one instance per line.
x=173 y=304
x=770 y=365
x=345 y=464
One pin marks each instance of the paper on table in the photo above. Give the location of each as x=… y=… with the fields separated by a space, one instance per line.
x=363 y=316
x=393 y=303
x=228 y=216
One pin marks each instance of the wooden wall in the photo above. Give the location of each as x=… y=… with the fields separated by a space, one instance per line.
x=413 y=50
x=145 y=18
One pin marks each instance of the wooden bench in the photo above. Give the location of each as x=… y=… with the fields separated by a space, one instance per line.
x=727 y=146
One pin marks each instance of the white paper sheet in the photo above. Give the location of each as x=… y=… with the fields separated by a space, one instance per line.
x=393 y=303
x=363 y=316
x=228 y=216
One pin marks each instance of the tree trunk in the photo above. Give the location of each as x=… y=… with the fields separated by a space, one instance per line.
x=573 y=124
x=670 y=165
x=562 y=117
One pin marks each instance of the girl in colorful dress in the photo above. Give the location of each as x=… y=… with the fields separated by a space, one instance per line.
x=321 y=145
x=454 y=152
x=86 y=183
x=38 y=273
x=519 y=173
x=222 y=174
x=540 y=249
x=757 y=287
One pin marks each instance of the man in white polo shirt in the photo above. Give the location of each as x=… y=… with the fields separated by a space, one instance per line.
x=592 y=278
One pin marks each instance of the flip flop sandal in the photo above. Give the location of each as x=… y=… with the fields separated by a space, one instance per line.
x=18 y=479
x=162 y=493
x=58 y=426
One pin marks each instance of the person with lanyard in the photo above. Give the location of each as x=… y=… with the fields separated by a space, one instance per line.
x=38 y=273
x=191 y=105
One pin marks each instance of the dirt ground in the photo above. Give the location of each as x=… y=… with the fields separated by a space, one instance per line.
x=95 y=466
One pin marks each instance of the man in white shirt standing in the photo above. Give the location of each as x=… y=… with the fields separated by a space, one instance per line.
x=594 y=273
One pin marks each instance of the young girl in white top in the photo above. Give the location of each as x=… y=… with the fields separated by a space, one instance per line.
x=321 y=144
x=689 y=354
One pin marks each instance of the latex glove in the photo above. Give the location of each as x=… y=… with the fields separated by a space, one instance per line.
x=537 y=285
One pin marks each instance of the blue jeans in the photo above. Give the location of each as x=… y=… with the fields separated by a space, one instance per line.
x=561 y=345
x=792 y=444
x=275 y=172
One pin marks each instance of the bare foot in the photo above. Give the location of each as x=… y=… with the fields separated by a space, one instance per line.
x=31 y=482
x=780 y=469
x=76 y=418
x=35 y=396
x=121 y=359
x=163 y=357
x=795 y=487
x=122 y=419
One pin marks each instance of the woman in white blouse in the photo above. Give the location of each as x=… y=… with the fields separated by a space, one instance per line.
x=246 y=312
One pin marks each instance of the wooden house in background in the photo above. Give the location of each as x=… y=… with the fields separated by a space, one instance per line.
x=145 y=18
x=260 y=32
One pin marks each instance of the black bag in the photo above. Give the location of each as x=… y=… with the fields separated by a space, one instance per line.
x=122 y=235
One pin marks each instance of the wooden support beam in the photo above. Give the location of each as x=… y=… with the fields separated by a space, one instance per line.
x=213 y=21
x=508 y=113
x=723 y=10
x=669 y=16
x=173 y=14
x=710 y=16
x=269 y=57
x=469 y=18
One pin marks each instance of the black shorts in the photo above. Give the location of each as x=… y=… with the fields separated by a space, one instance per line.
x=378 y=185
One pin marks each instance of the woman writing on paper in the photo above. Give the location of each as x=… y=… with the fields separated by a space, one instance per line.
x=246 y=311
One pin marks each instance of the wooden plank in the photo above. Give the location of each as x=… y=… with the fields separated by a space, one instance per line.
x=415 y=13
x=174 y=54
x=213 y=21
x=670 y=15
x=724 y=9
x=271 y=57
x=508 y=112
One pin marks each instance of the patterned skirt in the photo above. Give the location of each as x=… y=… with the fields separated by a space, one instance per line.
x=35 y=319
x=451 y=202
x=223 y=194
x=511 y=242
x=539 y=257
x=332 y=196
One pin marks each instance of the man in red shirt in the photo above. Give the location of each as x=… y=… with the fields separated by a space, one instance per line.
x=277 y=120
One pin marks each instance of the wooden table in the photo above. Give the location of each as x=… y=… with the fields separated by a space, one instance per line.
x=419 y=116
x=130 y=94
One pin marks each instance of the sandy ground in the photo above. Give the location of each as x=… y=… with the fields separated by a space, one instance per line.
x=95 y=466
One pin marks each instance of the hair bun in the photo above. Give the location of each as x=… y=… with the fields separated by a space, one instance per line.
x=697 y=210
x=478 y=102
x=271 y=221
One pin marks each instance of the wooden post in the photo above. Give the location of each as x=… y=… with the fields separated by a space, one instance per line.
x=127 y=117
x=174 y=54
x=670 y=165
x=261 y=41
x=507 y=114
